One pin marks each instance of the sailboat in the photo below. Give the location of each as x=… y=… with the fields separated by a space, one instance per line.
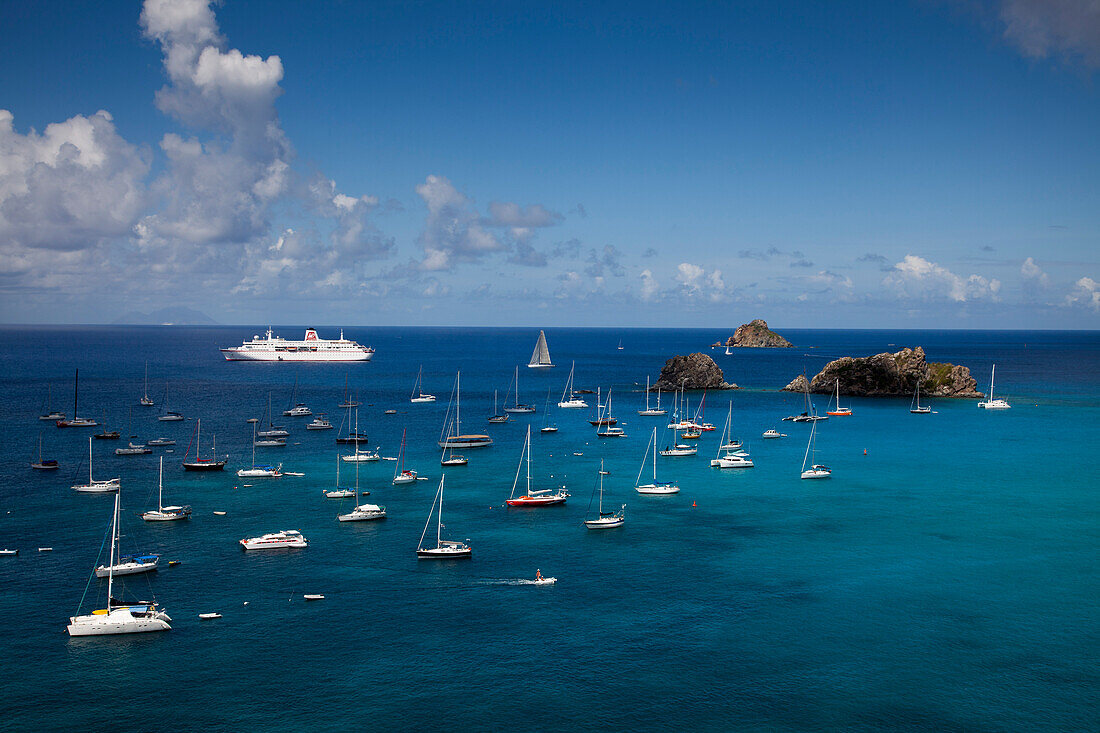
x=839 y=411
x=118 y=618
x=259 y=471
x=204 y=464
x=401 y=475
x=676 y=449
x=915 y=406
x=165 y=513
x=444 y=549
x=620 y=347
x=728 y=352
x=654 y=487
x=359 y=456
x=816 y=470
x=126 y=564
x=145 y=400
x=539 y=497
x=106 y=434
x=993 y=404
x=76 y=422
x=810 y=413
x=169 y=415
x=601 y=418
x=348 y=402
x=360 y=512
x=51 y=414
x=449 y=457
x=297 y=409
x=47 y=464
x=451 y=436
x=604 y=520
x=272 y=430
x=540 y=357
x=652 y=411
x=497 y=416
x=568 y=399
x=516 y=407
x=606 y=422
x=342 y=492
x=132 y=448
x=93 y=486
x=548 y=427
x=418 y=393
x=730 y=453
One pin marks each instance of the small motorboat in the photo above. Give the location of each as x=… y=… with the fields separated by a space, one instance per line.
x=773 y=433
x=209 y=616
x=319 y=423
x=173 y=563
x=160 y=442
x=313 y=597
x=219 y=514
x=9 y=553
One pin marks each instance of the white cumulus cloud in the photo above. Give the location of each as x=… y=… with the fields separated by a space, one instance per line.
x=1086 y=292
x=918 y=278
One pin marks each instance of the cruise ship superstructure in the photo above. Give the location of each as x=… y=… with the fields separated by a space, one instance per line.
x=310 y=348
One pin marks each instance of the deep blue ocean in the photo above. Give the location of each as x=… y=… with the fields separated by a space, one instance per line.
x=945 y=577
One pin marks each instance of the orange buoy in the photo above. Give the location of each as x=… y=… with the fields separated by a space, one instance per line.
x=864 y=451
x=693 y=502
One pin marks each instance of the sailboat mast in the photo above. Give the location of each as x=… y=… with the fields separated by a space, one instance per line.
x=89 y=460
x=160 y=487
x=654 y=455
x=992 y=379
x=76 y=391
x=458 y=403
x=527 y=447
x=439 y=516
x=111 y=565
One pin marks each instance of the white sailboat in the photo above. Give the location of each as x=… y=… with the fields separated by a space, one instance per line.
x=676 y=450
x=401 y=475
x=145 y=400
x=76 y=422
x=451 y=435
x=605 y=520
x=348 y=401
x=815 y=470
x=731 y=453
x=540 y=357
x=606 y=423
x=165 y=513
x=548 y=427
x=169 y=415
x=51 y=414
x=342 y=492
x=538 y=497
x=568 y=399
x=653 y=487
x=652 y=411
x=297 y=409
x=839 y=411
x=810 y=413
x=915 y=406
x=443 y=549
x=118 y=618
x=497 y=416
x=359 y=456
x=93 y=486
x=516 y=407
x=259 y=471
x=418 y=393
x=993 y=404
x=44 y=464
x=361 y=512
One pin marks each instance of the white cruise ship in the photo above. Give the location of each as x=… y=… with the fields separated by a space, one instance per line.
x=310 y=348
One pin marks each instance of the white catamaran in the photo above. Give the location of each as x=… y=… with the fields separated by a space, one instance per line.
x=118 y=618
x=96 y=487
x=993 y=404
x=568 y=399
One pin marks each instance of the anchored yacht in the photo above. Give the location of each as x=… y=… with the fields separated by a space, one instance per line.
x=310 y=348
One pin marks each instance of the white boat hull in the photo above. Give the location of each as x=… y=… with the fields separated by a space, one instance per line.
x=364 y=513
x=118 y=621
x=128 y=568
x=98 y=487
x=604 y=523
x=816 y=474
x=657 y=489
x=444 y=553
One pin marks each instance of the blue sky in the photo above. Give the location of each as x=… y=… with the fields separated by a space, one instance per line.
x=908 y=164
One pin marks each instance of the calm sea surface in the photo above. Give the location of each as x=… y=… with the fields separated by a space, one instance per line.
x=945 y=578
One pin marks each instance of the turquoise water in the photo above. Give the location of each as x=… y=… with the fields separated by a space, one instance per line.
x=946 y=579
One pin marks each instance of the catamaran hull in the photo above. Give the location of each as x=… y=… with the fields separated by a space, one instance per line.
x=118 y=621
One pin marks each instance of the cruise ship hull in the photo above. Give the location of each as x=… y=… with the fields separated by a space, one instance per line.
x=235 y=354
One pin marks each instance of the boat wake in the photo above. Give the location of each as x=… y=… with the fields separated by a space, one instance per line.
x=521 y=581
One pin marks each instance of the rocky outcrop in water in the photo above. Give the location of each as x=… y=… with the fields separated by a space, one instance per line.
x=798 y=384
x=891 y=375
x=694 y=371
x=756 y=335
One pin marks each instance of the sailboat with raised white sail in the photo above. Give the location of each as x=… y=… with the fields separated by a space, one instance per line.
x=443 y=549
x=540 y=357
x=654 y=486
x=96 y=487
x=568 y=399
x=118 y=618
x=816 y=470
x=537 y=497
x=165 y=513
x=604 y=520
x=993 y=404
